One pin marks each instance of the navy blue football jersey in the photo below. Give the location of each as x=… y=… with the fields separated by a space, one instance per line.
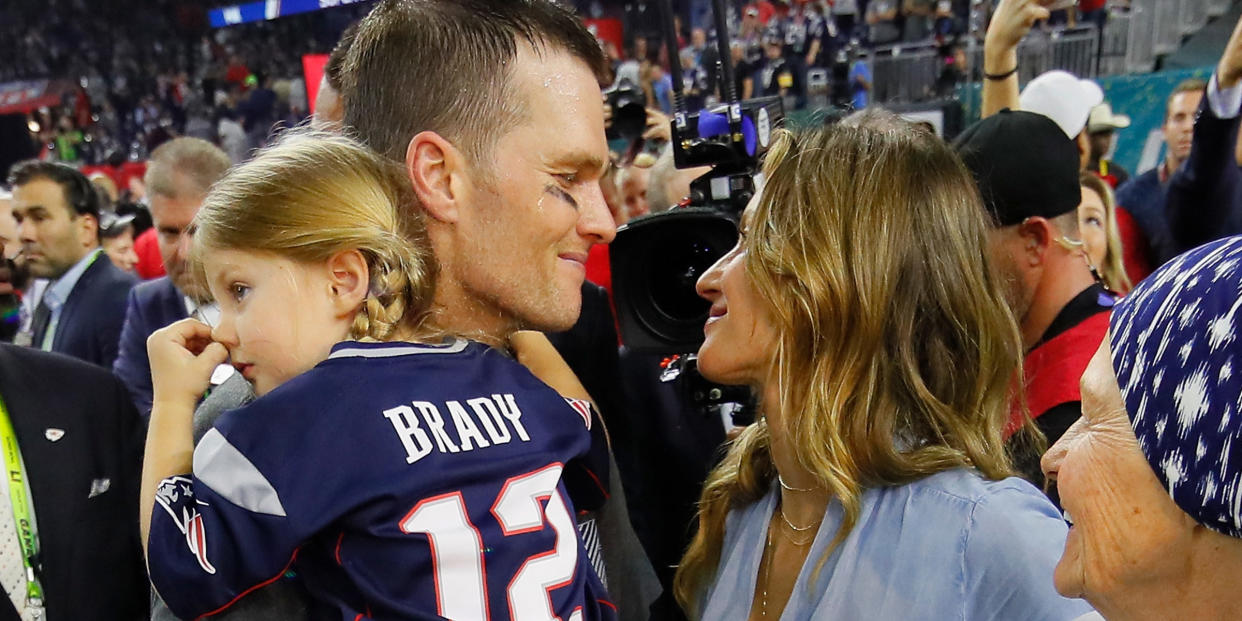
x=399 y=481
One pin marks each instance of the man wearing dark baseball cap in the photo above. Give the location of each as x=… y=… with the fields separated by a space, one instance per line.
x=1027 y=172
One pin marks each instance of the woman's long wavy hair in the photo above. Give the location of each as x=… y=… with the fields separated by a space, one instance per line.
x=896 y=353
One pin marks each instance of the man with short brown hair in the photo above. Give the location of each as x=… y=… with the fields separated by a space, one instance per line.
x=1145 y=195
x=81 y=310
x=506 y=167
x=178 y=176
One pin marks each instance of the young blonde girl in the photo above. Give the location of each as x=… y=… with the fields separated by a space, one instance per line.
x=395 y=470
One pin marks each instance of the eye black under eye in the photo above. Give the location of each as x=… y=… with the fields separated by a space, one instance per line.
x=563 y=195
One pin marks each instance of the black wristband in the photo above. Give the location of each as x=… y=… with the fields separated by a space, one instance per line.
x=1001 y=76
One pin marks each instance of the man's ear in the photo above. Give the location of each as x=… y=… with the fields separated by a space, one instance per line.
x=1037 y=234
x=435 y=168
x=88 y=230
x=349 y=280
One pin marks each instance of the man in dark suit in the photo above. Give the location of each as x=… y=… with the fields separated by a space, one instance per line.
x=81 y=450
x=179 y=174
x=83 y=307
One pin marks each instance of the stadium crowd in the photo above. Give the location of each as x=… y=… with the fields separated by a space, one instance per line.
x=144 y=72
x=381 y=361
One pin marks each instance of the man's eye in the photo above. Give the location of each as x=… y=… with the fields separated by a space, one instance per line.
x=239 y=291
x=568 y=179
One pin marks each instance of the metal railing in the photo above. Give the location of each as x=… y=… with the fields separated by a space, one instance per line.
x=1115 y=43
x=904 y=73
x=1141 y=39
x=1166 y=25
x=1072 y=49
x=1129 y=43
x=1216 y=8
x=1193 y=15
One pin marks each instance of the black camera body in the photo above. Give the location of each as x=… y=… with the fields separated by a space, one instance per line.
x=629 y=111
x=657 y=259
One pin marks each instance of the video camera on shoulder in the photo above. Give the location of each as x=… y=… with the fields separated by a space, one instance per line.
x=657 y=259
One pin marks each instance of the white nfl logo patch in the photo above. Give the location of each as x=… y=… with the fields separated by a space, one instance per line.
x=54 y=434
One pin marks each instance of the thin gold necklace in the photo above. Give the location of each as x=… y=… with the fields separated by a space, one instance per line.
x=769 y=558
x=788 y=487
x=767 y=571
x=791 y=539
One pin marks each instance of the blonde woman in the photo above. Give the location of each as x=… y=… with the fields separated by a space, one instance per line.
x=1097 y=224
x=859 y=306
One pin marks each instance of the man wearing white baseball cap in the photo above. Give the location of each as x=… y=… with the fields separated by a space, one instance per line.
x=1058 y=95
x=1067 y=100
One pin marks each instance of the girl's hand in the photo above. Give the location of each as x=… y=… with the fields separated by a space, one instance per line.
x=183 y=357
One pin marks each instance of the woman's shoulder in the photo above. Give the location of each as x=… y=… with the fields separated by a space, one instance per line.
x=985 y=510
x=967 y=487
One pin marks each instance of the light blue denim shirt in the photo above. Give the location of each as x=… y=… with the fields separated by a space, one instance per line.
x=951 y=546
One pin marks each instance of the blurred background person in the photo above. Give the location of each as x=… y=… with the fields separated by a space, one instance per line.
x=1097 y=226
x=1027 y=170
x=1149 y=476
x=1102 y=128
x=878 y=459
x=329 y=107
x=632 y=182
x=80 y=311
x=178 y=176
x=1145 y=196
x=12 y=275
x=116 y=235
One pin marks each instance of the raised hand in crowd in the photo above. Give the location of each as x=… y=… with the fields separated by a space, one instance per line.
x=658 y=126
x=1011 y=21
x=1229 y=69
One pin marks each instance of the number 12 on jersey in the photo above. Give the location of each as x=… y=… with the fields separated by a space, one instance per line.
x=457 y=548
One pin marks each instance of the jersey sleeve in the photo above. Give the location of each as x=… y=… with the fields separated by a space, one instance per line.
x=235 y=523
x=1014 y=540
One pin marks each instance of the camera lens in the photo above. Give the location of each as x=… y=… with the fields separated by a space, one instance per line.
x=673 y=282
x=656 y=261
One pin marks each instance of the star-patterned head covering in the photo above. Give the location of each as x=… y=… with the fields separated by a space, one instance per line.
x=1175 y=342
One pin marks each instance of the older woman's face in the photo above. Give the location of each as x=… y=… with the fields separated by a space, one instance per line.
x=738 y=336
x=1126 y=532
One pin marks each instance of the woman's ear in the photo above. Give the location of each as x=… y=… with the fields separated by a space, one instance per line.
x=349 y=279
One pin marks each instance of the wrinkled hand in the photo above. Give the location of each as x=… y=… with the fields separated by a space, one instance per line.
x=659 y=126
x=536 y=353
x=1229 y=71
x=183 y=357
x=1011 y=21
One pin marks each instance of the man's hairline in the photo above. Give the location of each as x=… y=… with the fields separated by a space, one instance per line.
x=64 y=196
x=521 y=115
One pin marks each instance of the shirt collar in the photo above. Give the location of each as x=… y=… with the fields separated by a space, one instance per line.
x=58 y=292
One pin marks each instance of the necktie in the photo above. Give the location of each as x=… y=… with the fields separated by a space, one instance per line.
x=38 y=324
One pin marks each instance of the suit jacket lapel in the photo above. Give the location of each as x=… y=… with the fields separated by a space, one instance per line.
x=69 y=311
x=29 y=399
